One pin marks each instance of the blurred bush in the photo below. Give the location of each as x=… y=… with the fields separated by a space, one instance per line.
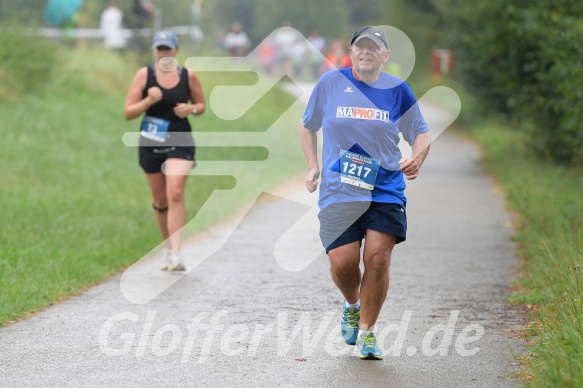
x=27 y=62
x=524 y=59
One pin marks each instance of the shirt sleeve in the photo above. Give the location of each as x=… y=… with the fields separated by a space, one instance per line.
x=315 y=110
x=411 y=123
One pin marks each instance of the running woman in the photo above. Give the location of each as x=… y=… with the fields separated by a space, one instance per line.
x=166 y=94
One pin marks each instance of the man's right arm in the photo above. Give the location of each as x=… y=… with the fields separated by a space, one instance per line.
x=309 y=143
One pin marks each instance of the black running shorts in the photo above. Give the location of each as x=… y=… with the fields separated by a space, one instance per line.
x=152 y=155
x=343 y=223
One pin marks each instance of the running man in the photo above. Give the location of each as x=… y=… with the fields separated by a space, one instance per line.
x=361 y=111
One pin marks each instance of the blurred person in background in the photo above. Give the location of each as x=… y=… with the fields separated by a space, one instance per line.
x=336 y=57
x=142 y=17
x=111 y=26
x=237 y=41
x=316 y=50
x=267 y=55
x=166 y=95
x=143 y=11
x=284 y=38
x=299 y=54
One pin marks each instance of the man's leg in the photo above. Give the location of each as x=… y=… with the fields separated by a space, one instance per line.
x=345 y=271
x=340 y=229
x=344 y=266
x=373 y=290
x=375 y=280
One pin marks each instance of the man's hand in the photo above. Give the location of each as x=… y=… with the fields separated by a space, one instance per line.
x=410 y=168
x=312 y=179
x=309 y=148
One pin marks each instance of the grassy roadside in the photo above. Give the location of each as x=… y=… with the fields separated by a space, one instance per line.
x=548 y=199
x=75 y=204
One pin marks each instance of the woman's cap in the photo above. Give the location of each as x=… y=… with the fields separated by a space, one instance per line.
x=165 y=38
x=373 y=33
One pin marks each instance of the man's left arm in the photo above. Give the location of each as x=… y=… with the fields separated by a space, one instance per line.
x=410 y=166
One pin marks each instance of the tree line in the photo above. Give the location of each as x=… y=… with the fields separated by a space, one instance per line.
x=521 y=58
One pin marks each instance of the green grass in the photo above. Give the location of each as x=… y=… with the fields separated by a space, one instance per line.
x=75 y=205
x=549 y=201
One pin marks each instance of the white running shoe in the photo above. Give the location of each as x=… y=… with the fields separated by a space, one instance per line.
x=173 y=262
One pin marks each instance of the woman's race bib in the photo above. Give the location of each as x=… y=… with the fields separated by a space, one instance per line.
x=155 y=129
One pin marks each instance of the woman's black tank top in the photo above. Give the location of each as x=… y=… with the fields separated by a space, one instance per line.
x=164 y=108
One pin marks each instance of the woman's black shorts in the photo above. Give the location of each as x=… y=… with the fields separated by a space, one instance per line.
x=153 y=155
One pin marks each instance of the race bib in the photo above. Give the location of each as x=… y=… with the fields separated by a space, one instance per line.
x=358 y=170
x=155 y=129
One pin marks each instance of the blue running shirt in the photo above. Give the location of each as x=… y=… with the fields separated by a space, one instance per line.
x=365 y=118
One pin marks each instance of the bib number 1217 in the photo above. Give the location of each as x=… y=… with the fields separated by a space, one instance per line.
x=358 y=170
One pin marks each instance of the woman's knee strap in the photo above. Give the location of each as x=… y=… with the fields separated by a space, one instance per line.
x=161 y=210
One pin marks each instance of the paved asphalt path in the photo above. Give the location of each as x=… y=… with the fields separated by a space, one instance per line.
x=263 y=311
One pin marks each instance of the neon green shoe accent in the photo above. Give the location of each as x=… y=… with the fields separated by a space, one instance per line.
x=350 y=324
x=367 y=346
x=176 y=267
x=172 y=262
